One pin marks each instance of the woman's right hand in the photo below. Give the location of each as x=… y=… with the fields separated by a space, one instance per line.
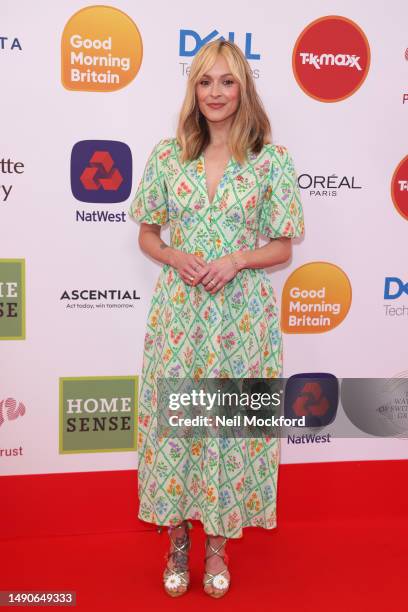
x=190 y=267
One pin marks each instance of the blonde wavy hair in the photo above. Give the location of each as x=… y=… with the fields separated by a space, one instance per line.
x=251 y=128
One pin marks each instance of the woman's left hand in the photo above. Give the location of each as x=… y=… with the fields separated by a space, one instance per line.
x=219 y=272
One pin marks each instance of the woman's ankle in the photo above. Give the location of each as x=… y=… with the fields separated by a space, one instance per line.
x=179 y=545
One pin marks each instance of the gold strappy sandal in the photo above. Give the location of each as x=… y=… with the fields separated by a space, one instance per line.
x=218 y=581
x=173 y=579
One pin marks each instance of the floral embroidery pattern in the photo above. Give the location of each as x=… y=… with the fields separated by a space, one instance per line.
x=227 y=484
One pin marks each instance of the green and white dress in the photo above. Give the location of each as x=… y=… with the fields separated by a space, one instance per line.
x=227 y=484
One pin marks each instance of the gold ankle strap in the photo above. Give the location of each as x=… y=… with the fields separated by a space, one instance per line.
x=215 y=551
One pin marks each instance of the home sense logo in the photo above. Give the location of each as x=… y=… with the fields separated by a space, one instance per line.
x=331 y=58
x=101 y=50
x=12 y=299
x=399 y=188
x=316 y=298
x=98 y=414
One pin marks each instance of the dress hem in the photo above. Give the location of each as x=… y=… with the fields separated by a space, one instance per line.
x=190 y=518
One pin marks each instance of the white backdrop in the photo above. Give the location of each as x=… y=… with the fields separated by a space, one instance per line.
x=362 y=136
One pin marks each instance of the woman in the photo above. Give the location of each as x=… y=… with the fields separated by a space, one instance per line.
x=214 y=312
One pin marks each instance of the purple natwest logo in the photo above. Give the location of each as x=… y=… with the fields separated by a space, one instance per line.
x=101 y=171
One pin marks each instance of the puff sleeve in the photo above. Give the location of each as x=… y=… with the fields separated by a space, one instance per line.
x=150 y=202
x=281 y=212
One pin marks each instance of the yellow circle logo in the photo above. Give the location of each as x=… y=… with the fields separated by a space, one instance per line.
x=101 y=50
x=315 y=299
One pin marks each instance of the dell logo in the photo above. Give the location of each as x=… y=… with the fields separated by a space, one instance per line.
x=394 y=288
x=191 y=42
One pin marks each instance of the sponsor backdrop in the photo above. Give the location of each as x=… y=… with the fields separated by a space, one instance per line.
x=87 y=91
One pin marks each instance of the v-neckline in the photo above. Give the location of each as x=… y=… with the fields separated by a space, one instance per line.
x=220 y=181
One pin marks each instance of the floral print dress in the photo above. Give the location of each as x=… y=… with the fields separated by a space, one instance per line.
x=225 y=483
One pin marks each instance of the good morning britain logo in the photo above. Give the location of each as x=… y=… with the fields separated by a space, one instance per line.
x=331 y=58
x=316 y=298
x=101 y=50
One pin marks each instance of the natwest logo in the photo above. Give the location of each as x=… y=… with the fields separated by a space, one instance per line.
x=331 y=58
x=314 y=396
x=101 y=171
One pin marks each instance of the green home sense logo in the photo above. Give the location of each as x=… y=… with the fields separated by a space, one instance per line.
x=98 y=414
x=12 y=299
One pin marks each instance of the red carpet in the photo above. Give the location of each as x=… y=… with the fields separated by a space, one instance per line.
x=341 y=542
